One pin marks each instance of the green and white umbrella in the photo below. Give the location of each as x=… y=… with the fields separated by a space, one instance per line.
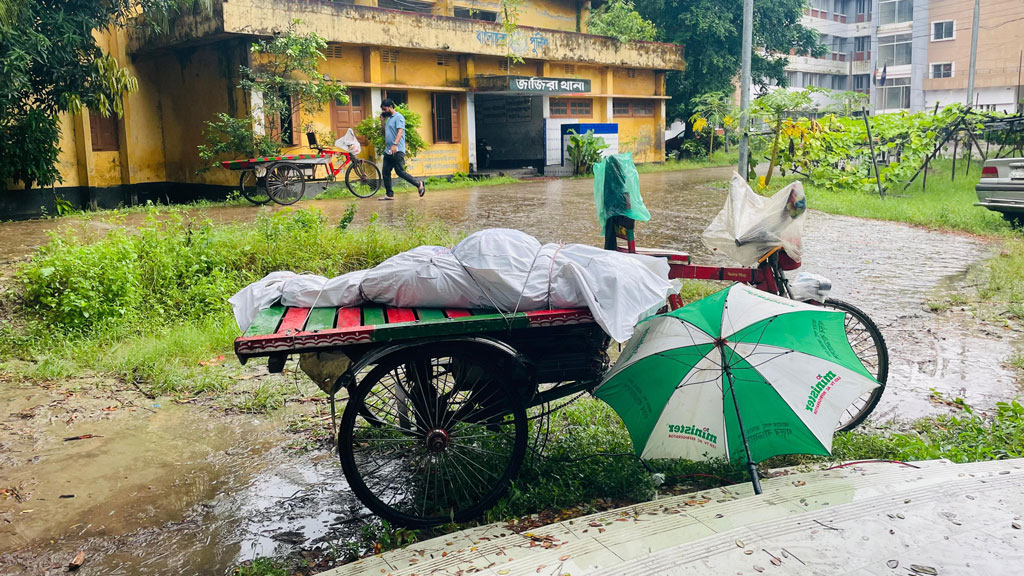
x=741 y=374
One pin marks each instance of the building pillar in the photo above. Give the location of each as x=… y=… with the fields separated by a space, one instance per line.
x=372 y=72
x=467 y=69
x=470 y=124
x=659 y=129
x=608 y=88
x=83 y=153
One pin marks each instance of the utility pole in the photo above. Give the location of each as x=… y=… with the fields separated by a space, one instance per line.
x=748 y=49
x=974 y=52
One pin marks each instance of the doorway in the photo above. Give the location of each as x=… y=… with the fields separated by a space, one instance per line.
x=512 y=127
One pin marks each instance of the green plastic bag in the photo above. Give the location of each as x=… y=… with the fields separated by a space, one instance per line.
x=617 y=189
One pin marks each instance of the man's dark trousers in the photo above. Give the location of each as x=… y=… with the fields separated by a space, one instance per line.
x=397 y=162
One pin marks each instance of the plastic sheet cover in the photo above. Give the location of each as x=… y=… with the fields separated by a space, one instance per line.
x=498 y=269
x=750 y=225
x=617 y=189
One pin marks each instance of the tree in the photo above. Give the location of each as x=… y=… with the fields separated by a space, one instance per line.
x=51 y=64
x=774 y=108
x=371 y=129
x=286 y=73
x=711 y=30
x=620 y=20
x=710 y=111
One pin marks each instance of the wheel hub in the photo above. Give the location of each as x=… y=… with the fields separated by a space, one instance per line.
x=437 y=441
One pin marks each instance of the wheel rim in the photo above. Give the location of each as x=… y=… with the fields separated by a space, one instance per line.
x=252 y=189
x=284 y=184
x=868 y=345
x=435 y=440
x=363 y=180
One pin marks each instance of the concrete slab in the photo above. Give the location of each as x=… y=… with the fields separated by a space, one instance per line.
x=855 y=521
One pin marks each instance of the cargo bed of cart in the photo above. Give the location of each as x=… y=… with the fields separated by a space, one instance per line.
x=435 y=423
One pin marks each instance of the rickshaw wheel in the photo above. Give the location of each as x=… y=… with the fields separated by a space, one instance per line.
x=869 y=346
x=362 y=178
x=285 y=184
x=433 y=434
x=251 y=189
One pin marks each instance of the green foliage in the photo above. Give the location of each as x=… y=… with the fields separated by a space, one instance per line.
x=584 y=150
x=965 y=437
x=774 y=108
x=710 y=111
x=711 y=32
x=181 y=270
x=229 y=137
x=371 y=129
x=509 y=23
x=286 y=72
x=620 y=20
x=51 y=63
x=833 y=151
x=263 y=567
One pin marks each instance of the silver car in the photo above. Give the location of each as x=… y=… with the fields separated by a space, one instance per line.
x=1001 y=188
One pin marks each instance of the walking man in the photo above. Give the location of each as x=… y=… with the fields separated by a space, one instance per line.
x=394 y=148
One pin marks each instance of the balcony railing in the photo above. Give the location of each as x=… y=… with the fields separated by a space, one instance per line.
x=370 y=26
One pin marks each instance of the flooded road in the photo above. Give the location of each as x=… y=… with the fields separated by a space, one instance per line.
x=197 y=494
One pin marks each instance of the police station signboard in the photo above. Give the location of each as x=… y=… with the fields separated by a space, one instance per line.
x=533 y=84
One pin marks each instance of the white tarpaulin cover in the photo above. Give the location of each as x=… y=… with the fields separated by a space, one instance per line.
x=504 y=269
x=750 y=225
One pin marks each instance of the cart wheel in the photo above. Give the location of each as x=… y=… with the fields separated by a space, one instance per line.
x=252 y=189
x=867 y=342
x=285 y=184
x=363 y=178
x=433 y=434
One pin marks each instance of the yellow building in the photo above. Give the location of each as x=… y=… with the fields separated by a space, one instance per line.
x=446 y=59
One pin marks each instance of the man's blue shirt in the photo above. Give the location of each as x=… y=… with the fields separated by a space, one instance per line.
x=395 y=122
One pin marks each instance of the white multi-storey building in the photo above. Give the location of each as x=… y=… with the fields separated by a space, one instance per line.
x=924 y=48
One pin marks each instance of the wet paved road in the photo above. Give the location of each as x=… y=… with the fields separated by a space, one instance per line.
x=887 y=269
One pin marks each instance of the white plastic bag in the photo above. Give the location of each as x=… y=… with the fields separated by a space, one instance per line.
x=807 y=286
x=349 y=143
x=750 y=225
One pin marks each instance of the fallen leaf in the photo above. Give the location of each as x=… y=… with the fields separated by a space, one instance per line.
x=893 y=564
x=748 y=552
x=759 y=569
x=82 y=437
x=564 y=557
x=1015 y=525
x=739 y=543
x=776 y=562
x=77 y=562
x=918 y=569
x=799 y=483
x=539 y=568
x=109 y=408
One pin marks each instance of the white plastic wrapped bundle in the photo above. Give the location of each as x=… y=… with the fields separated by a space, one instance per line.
x=750 y=225
x=809 y=286
x=503 y=269
x=426 y=276
x=308 y=290
x=349 y=143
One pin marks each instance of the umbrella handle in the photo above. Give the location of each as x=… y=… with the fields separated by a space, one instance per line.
x=754 y=479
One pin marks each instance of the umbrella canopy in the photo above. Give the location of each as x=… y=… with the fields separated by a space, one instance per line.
x=741 y=374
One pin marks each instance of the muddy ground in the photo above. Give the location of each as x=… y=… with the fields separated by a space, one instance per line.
x=162 y=487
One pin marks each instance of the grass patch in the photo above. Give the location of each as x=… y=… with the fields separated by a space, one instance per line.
x=434 y=183
x=942 y=205
x=730 y=158
x=148 y=306
x=1003 y=280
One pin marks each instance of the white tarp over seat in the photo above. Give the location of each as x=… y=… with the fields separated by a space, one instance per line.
x=501 y=269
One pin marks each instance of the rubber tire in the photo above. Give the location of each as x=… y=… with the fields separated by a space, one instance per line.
x=369 y=169
x=356 y=407
x=1015 y=219
x=287 y=173
x=250 y=189
x=882 y=372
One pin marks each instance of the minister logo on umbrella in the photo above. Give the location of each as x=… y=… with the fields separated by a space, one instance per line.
x=741 y=374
